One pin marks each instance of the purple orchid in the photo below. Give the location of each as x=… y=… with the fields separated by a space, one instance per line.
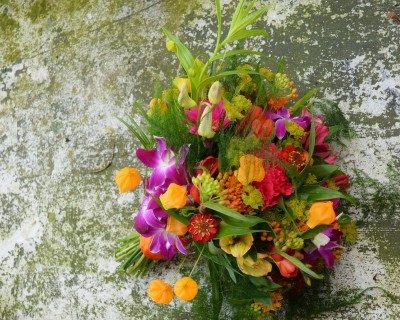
x=153 y=221
x=283 y=115
x=163 y=161
x=324 y=243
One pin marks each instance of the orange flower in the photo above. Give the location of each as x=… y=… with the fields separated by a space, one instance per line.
x=251 y=169
x=145 y=247
x=160 y=292
x=127 y=179
x=321 y=213
x=186 y=289
x=174 y=197
x=176 y=227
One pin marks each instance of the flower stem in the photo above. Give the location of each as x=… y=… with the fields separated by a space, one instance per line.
x=197 y=261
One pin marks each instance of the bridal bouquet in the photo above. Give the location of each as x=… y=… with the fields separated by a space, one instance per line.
x=238 y=170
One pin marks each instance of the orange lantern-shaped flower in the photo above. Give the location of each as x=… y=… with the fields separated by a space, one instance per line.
x=174 y=197
x=176 y=227
x=321 y=213
x=127 y=179
x=186 y=289
x=145 y=247
x=160 y=292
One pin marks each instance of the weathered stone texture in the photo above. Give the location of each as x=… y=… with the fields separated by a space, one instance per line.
x=68 y=67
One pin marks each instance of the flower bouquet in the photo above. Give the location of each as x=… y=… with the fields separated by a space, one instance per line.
x=239 y=171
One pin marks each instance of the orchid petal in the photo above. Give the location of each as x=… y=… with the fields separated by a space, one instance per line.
x=150 y=158
x=280 y=128
x=272 y=116
x=284 y=113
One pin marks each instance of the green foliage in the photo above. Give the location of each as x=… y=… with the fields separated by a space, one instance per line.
x=237 y=148
x=339 y=126
x=306 y=306
x=377 y=198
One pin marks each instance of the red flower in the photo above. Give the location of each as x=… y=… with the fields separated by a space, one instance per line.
x=203 y=227
x=274 y=184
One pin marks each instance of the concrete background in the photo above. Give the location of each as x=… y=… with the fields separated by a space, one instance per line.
x=67 y=67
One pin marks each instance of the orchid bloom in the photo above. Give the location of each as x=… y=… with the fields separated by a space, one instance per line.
x=283 y=115
x=163 y=161
x=324 y=243
x=166 y=232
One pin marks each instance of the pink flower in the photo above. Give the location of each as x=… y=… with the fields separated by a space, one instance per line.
x=219 y=119
x=321 y=148
x=274 y=184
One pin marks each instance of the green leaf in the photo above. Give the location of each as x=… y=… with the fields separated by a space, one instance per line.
x=213 y=249
x=138 y=132
x=216 y=288
x=301 y=102
x=309 y=234
x=264 y=283
x=185 y=57
x=333 y=130
x=226 y=230
x=323 y=171
x=281 y=65
x=233 y=217
x=344 y=218
x=242 y=34
x=316 y=193
x=300 y=265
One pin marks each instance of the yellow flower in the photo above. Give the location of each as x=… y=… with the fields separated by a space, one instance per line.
x=160 y=292
x=171 y=46
x=321 y=213
x=258 y=268
x=236 y=245
x=180 y=82
x=183 y=99
x=186 y=289
x=161 y=105
x=127 y=179
x=251 y=169
x=174 y=197
x=176 y=227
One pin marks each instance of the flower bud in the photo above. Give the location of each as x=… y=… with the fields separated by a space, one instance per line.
x=205 y=128
x=184 y=100
x=171 y=46
x=215 y=92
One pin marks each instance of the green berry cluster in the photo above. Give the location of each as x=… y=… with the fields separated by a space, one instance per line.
x=289 y=241
x=207 y=185
x=282 y=81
